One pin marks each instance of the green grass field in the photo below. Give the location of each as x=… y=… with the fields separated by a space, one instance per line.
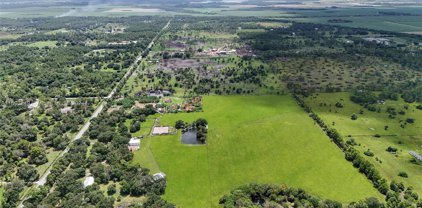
x=263 y=139
x=370 y=123
x=41 y=44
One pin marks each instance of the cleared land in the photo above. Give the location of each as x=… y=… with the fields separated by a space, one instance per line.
x=380 y=17
x=369 y=124
x=250 y=140
x=133 y=9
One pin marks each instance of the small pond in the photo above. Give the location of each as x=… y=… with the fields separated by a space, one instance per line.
x=189 y=137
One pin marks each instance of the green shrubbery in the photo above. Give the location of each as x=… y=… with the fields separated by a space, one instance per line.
x=264 y=195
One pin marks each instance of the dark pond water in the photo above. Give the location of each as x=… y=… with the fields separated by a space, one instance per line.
x=189 y=137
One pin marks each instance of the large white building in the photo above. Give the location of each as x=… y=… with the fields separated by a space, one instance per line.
x=134 y=144
x=160 y=130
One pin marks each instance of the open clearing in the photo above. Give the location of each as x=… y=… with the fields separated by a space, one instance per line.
x=370 y=123
x=250 y=140
x=133 y=9
x=6 y=35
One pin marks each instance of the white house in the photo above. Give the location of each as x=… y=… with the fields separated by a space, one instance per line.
x=66 y=110
x=88 y=181
x=134 y=144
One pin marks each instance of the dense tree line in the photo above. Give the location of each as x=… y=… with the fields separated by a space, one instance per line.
x=108 y=161
x=265 y=195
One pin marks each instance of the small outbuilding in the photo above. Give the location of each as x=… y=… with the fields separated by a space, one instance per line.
x=159 y=176
x=88 y=181
x=66 y=110
x=160 y=130
x=134 y=144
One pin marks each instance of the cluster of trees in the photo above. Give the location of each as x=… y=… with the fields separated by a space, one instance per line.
x=69 y=69
x=266 y=195
x=25 y=137
x=243 y=78
x=213 y=24
x=56 y=72
x=11 y=195
x=108 y=161
x=80 y=29
x=310 y=41
x=364 y=97
x=368 y=100
x=200 y=126
x=129 y=101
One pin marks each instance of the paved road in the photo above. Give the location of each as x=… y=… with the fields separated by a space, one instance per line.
x=85 y=127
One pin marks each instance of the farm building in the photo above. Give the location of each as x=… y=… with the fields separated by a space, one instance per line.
x=160 y=130
x=134 y=144
x=159 y=176
x=416 y=155
x=384 y=41
x=159 y=93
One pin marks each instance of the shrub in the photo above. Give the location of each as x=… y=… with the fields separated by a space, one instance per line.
x=111 y=189
x=179 y=124
x=369 y=153
x=351 y=142
x=410 y=120
x=391 y=149
x=403 y=174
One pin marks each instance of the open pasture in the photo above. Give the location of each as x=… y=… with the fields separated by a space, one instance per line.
x=251 y=139
x=6 y=35
x=369 y=124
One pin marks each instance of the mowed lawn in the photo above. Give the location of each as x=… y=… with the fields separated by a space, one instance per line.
x=251 y=139
x=370 y=123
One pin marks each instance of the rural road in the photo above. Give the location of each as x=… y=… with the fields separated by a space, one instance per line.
x=85 y=127
x=138 y=58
